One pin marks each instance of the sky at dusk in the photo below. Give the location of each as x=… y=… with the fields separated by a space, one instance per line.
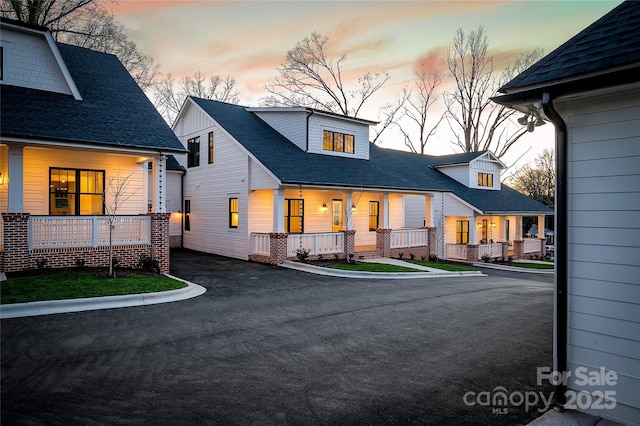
x=248 y=40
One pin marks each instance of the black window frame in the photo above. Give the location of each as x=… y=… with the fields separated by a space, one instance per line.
x=462 y=236
x=375 y=214
x=233 y=212
x=187 y=215
x=287 y=214
x=193 y=145
x=485 y=179
x=347 y=144
x=59 y=194
x=210 y=150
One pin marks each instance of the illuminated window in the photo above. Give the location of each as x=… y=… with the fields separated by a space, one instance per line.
x=462 y=232
x=485 y=179
x=210 y=147
x=374 y=215
x=76 y=192
x=233 y=212
x=338 y=142
x=294 y=216
x=193 y=145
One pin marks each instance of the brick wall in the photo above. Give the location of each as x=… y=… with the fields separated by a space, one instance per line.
x=16 y=242
x=160 y=239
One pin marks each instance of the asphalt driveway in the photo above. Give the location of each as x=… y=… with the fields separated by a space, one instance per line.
x=267 y=345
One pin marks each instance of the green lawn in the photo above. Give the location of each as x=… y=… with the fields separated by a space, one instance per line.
x=533 y=265
x=372 y=267
x=444 y=266
x=80 y=284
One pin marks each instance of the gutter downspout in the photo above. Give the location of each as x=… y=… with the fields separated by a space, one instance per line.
x=182 y=209
x=310 y=113
x=561 y=229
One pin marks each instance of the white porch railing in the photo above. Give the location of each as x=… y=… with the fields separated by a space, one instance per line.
x=409 y=238
x=260 y=244
x=327 y=243
x=457 y=251
x=531 y=245
x=87 y=231
x=493 y=250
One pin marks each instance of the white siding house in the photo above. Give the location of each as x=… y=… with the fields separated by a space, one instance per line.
x=590 y=89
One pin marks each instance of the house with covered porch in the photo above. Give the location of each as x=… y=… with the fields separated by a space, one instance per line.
x=263 y=183
x=76 y=140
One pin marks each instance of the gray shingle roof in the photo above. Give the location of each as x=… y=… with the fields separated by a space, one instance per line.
x=611 y=42
x=385 y=169
x=114 y=110
x=446 y=160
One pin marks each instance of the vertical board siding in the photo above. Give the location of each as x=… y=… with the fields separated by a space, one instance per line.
x=604 y=242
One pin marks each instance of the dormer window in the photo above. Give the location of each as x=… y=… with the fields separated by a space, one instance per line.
x=485 y=179
x=338 y=142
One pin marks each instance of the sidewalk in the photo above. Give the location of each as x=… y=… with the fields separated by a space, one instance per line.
x=16 y=310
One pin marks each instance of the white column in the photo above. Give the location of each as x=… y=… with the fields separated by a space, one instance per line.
x=504 y=228
x=348 y=211
x=472 y=230
x=519 y=231
x=541 y=227
x=159 y=168
x=278 y=210
x=429 y=212
x=385 y=211
x=15 y=174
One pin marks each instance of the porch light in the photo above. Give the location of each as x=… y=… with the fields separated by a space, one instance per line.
x=1 y=179
x=353 y=208
x=478 y=225
x=493 y=224
x=324 y=208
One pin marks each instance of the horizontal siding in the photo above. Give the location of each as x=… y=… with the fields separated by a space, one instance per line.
x=627 y=274
x=626 y=387
x=459 y=173
x=602 y=237
x=604 y=308
x=260 y=211
x=603 y=343
x=259 y=178
x=290 y=124
x=453 y=207
x=601 y=325
x=607 y=290
x=604 y=184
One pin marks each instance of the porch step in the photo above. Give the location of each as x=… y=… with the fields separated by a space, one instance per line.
x=371 y=254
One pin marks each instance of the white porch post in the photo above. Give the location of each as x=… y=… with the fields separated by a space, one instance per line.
x=472 y=230
x=428 y=219
x=348 y=211
x=385 y=211
x=278 y=211
x=15 y=174
x=504 y=228
x=519 y=231
x=541 y=227
x=159 y=167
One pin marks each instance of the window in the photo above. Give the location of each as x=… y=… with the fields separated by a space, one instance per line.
x=233 y=212
x=193 y=145
x=187 y=215
x=76 y=192
x=462 y=232
x=507 y=230
x=485 y=231
x=374 y=215
x=210 y=147
x=294 y=216
x=485 y=179
x=338 y=142
x=336 y=215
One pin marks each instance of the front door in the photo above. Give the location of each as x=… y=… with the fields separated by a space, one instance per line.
x=336 y=216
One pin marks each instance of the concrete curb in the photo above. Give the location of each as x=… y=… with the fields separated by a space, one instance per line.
x=16 y=310
x=513 y=268
x=318 y=270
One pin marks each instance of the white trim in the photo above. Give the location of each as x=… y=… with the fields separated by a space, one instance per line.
x=63 y=66
x=91 y=146
x=493 y=159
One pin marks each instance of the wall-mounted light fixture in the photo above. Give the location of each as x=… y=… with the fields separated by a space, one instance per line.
x=353 y=208
x=1 y=179
x=493 y=224
x=478 y=225
x=324 y=208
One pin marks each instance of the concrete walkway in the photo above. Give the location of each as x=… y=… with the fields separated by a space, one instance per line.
x=15 y=310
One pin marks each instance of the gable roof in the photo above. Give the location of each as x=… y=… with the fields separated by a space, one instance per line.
x=385 y=169
x=611 y=45
x=113 y=111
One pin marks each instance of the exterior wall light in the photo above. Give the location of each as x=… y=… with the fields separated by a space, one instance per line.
x=324 y=208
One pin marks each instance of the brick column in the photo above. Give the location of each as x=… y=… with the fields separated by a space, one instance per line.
x=349 y=242
x=16 y=242
x=433 y=250
x=160 y=240
x=472 y=252
x=505 y=250
x=543 y=245
x=383 y=241
x=518 y=246
x=278 y=244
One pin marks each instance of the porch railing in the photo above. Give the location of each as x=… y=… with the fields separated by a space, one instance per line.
x=457 y=251
x=493 y=250
x=531 y=245
x=326 y=243
x=260 y=244
x=87 y=231
x=409 y=238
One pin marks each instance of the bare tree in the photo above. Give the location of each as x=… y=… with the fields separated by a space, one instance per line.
x=85 y=23
x=478 y=123
x=311 y=79
x=416 y=111
x=389 y=114
x=169 y=95
x=118 y=194
x=537 y=180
